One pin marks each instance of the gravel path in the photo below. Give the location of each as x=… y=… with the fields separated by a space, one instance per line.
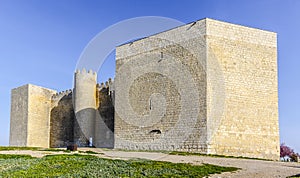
x=249 y=168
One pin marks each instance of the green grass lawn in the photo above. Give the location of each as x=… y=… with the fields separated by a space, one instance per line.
x=91 y=166
x=6 y=148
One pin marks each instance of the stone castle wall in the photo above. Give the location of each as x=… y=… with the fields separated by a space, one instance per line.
x=42 y=117
x=160 y=88
x=62 y=120
x=39 y=109
x=104 y=123
x=19 y=116
x=232 y=88
x=246 y=60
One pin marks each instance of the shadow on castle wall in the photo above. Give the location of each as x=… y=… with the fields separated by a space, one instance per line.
x=65 y=129
x=104 y=132
x=62 y=123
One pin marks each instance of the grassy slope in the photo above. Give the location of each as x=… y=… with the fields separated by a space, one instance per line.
x=91 y=166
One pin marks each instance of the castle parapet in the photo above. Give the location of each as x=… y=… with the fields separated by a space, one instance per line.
x=84 y=71
x=107 y=85
x=61 y=94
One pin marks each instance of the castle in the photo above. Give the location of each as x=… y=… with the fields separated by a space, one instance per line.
x=208 y=87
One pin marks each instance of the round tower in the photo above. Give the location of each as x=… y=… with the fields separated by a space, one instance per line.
x=84 y=101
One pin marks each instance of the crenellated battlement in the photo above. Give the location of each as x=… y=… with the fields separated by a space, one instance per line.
x=84 y=71
x=62 y=94
x=107 y=84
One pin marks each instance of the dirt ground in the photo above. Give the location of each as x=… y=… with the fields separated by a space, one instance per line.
x=249 y=168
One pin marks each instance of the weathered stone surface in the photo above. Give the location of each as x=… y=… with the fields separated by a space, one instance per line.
x=104 y=123
x=19 y=116
x=247 y=58
x=84 y=106
x=161 y=92
x=233 y=70
x=30 y=116
x=62 y=120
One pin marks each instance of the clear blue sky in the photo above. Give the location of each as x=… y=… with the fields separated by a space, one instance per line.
x=41 y=41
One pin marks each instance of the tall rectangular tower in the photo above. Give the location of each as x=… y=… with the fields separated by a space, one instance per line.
x=30 y=116
x=207 y=86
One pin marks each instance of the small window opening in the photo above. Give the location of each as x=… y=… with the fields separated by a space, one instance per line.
x=161 y=56
x=155 y=131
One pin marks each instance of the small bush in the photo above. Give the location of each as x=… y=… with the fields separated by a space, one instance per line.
x=294 y=157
